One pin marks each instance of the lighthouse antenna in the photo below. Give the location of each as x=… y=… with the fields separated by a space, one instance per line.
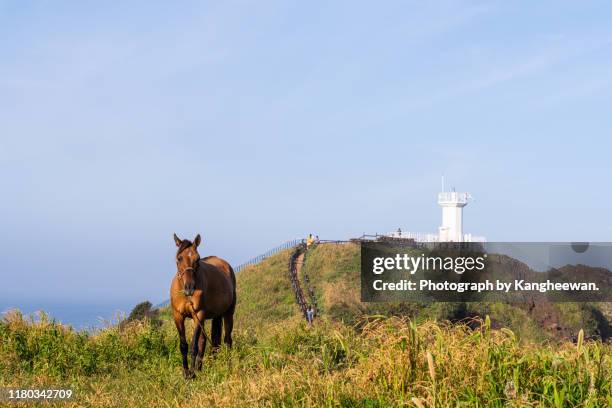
x=443 y=187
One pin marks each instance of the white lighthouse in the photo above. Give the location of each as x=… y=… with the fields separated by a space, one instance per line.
x=451 y=230
x=452 y=204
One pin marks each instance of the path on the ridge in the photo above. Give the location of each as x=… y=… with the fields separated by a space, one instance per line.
x=299 y=262
x=295 y=275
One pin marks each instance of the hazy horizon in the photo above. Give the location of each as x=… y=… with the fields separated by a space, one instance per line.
x=257 y=123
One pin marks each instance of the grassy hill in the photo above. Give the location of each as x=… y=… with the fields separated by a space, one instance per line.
x=348 y=358
x=264 y=294
x=335 y=272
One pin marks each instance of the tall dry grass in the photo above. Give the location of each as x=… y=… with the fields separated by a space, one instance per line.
x=383 y=362
x=279 y=361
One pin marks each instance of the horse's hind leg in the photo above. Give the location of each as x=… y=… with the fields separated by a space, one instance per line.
x=215 y=333
x=228 y=323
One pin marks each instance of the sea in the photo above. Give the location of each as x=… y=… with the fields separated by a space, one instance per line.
x=79 y=315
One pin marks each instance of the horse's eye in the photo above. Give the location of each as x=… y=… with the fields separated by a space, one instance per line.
x=180 y=259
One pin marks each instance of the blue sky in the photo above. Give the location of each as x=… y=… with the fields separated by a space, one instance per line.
x=253 y=123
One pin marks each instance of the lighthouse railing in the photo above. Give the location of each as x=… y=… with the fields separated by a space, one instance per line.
x=453 y=197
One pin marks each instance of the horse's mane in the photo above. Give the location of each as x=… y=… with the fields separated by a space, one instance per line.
x=184 y=245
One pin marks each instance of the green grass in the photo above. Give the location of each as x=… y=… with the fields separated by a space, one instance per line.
x=384 y=363
x=264 y=294
x=347 y=359
x=335 y=272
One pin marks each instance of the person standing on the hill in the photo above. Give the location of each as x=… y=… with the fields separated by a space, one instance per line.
x=309 y=241
x=309 y=314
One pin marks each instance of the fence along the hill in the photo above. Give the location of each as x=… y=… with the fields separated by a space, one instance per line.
x=270 y=252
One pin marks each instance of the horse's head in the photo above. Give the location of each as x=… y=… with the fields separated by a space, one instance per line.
x=187 y=258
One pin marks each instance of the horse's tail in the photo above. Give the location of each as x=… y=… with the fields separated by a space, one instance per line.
x=233 y=277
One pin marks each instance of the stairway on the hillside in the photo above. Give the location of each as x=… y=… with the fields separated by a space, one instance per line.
x=295 y=274
x=293 y=277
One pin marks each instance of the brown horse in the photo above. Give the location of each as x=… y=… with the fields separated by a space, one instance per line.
x=202 y=289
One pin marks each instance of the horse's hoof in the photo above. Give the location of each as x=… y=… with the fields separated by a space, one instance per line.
x=189 y=375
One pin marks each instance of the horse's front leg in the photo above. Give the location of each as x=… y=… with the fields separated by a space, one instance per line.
x=179 y=321
x=198 y=321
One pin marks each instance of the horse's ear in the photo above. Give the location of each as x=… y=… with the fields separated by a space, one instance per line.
x=177 y=240
x=196 y=241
